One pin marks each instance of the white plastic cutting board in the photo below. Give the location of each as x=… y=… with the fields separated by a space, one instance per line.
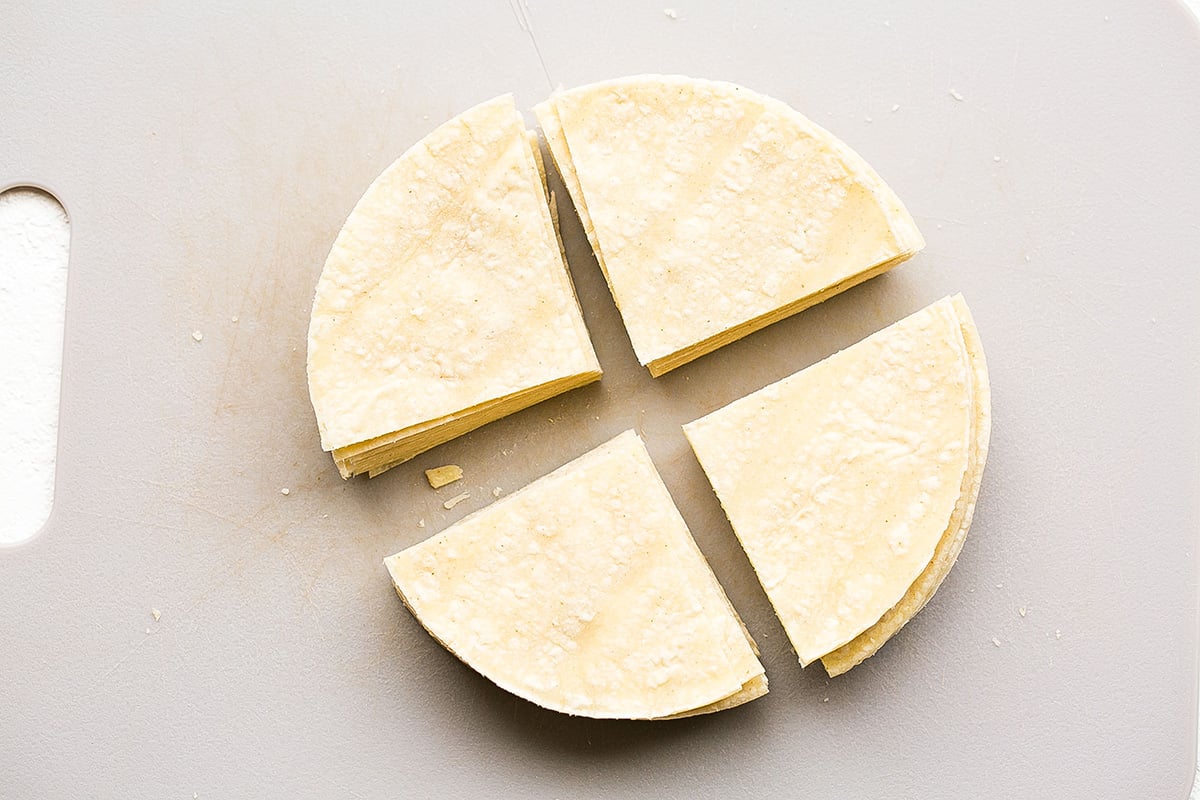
x=207 y=157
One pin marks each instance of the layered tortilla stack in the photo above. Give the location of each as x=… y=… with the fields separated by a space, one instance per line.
x=851 y=484
x=585 y=593
x=445 y=302
x=715 y=211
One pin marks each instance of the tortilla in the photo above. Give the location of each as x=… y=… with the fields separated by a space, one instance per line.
x=584 y=593
x=715 y=211
x=445 y=302
x=849 y=484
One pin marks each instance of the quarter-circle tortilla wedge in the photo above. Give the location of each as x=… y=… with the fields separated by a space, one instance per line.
x=585 y=593
x=867 y=643
x=445 y=302
x=715 y=211
x=851 y=484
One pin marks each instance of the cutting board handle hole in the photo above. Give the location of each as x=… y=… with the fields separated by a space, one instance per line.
x=34 y=236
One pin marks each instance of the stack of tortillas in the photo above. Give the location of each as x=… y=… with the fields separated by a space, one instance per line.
x=713 y=211
x=852 y=483
x=585 y=593
x=445 y=302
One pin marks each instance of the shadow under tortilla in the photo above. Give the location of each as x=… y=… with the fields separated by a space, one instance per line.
x=476 y=704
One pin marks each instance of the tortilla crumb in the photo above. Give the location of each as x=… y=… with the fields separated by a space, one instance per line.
x=453 y=501
x=441 y=476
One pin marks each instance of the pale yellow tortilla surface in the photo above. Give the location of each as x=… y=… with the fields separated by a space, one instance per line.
x=841 y=479
x=445 y=290
x=867 y=643
x=585 y=593
x=714 y=210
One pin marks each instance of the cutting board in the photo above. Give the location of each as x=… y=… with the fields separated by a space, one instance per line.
x=207 y=155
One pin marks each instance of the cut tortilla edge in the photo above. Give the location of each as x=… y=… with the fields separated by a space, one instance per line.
x=867 y=643
x=560 y=154
x=380 y=454
x=663 y=365
x=751 y=690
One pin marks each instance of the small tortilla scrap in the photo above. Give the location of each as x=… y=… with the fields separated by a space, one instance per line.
x=458 y=498
x=444 y=475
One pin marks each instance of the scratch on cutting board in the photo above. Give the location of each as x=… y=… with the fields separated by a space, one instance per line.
x=310 y=578
x=128 y=654
x=520 y=10
x=1091 y=315
x=247 y=285
x=132 y=520
x=133 y=649
x=233 y=341
x=1100 y=324
x=218 y=576
x=1011 y=90
x=1067 y=205
x=1113 y=519
x=945 y=220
